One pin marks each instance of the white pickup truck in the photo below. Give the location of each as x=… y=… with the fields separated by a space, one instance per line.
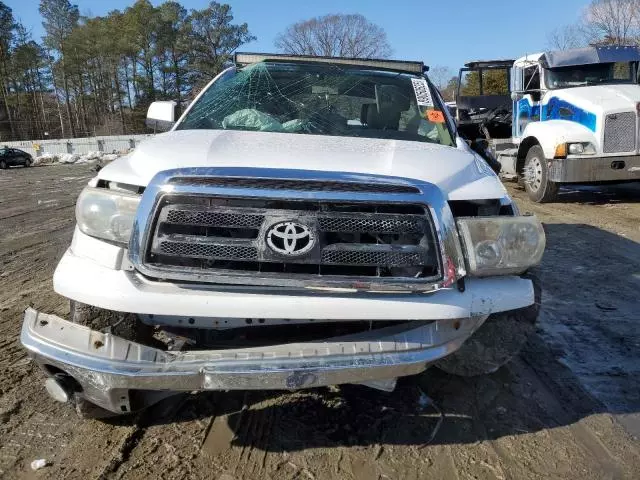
x=570 y=117
x=306 y=222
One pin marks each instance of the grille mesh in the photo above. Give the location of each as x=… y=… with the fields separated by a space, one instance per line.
x=378 y=225
x=372 y=258
x=209 y=251
x=221 y=219
x=220 y=236
x=620 y=133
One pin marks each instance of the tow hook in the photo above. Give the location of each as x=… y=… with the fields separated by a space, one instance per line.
x=617 y=165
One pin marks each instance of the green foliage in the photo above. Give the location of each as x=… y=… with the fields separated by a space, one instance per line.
x=494 y=82
x=97 y=75
x=450 y=90
x=59 y=18
x=213 y=38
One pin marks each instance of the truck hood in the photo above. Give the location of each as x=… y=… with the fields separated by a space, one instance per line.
x=458 y=172
x=602 y=98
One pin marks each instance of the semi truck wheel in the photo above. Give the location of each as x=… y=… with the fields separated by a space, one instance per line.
x=536 y=177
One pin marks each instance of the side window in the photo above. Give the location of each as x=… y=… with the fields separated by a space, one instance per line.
x=622 y=71
x=445 y=110
x=531 y=79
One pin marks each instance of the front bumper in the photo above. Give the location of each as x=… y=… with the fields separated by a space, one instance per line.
x=87 y=281
x=595 y=169
x=110 y=370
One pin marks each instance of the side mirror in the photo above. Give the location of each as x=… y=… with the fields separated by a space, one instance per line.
x=515 y=96
x=161 y=116
x=480 y=145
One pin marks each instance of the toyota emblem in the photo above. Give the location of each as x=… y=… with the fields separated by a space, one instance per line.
x=290 y=239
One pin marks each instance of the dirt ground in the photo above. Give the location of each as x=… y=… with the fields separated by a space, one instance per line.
x=568 y=408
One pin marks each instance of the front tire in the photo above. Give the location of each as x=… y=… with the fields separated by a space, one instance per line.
x=496 y=342
x=536 y=177
x=3 y=165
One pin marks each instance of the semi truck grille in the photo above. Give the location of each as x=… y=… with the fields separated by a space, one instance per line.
x=205 y=236
x=619 y=133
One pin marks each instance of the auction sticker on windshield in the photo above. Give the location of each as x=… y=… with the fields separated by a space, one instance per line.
x=421 y=89
x=435 y=116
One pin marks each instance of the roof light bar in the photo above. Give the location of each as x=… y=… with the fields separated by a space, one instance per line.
x=399 y=65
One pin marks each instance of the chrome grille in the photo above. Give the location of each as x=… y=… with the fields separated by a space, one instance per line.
x=196 y=234
x=291 y=184
x=619 y=132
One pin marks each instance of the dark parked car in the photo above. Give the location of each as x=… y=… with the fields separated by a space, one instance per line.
x=13 y=156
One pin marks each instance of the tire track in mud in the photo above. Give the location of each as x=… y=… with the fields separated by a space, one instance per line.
x=33 y=236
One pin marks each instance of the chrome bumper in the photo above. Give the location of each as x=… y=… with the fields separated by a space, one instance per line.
x=108 y=368
x=595 y=169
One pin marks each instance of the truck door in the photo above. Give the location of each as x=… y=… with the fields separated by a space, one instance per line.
x=527 y=103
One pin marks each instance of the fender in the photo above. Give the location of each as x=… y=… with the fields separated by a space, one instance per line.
x=551 y=133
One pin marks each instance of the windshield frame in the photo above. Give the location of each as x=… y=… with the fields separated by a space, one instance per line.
x=632 y=80
x=438 y=102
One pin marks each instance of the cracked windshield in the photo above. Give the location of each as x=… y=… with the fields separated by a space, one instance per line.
x=321 y=100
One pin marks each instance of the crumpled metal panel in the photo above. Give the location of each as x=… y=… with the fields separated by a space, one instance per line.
x=107 y=366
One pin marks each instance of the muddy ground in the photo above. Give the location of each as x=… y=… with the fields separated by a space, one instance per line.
x=567 y=408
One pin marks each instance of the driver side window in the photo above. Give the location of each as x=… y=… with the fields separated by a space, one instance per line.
x=531 y=80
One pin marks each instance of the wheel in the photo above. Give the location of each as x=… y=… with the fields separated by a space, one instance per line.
x=28 y=162
x=496 y=342
x=536 y=177
x=3 y=165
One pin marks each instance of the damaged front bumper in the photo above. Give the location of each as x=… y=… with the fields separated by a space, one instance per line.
x=121 y=376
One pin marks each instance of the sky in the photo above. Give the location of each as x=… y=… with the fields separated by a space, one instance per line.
x=444 y=32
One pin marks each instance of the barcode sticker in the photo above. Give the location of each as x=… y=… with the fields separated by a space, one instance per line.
x=421 y=89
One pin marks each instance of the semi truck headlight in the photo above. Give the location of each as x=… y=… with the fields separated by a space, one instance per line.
x=501 y=245
x=584 y=148
x=107 y=214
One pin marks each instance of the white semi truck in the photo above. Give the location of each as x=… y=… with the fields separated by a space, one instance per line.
x=557 y=117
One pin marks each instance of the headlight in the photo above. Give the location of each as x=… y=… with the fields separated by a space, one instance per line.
x=106 y=214
x=584 y=148
x=501 y=245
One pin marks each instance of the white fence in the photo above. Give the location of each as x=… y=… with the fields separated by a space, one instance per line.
x=110 y=144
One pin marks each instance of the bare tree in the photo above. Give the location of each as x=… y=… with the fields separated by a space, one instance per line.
x=613 y=22
x=440 y=76
x=335 y=35
x=569 y=36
